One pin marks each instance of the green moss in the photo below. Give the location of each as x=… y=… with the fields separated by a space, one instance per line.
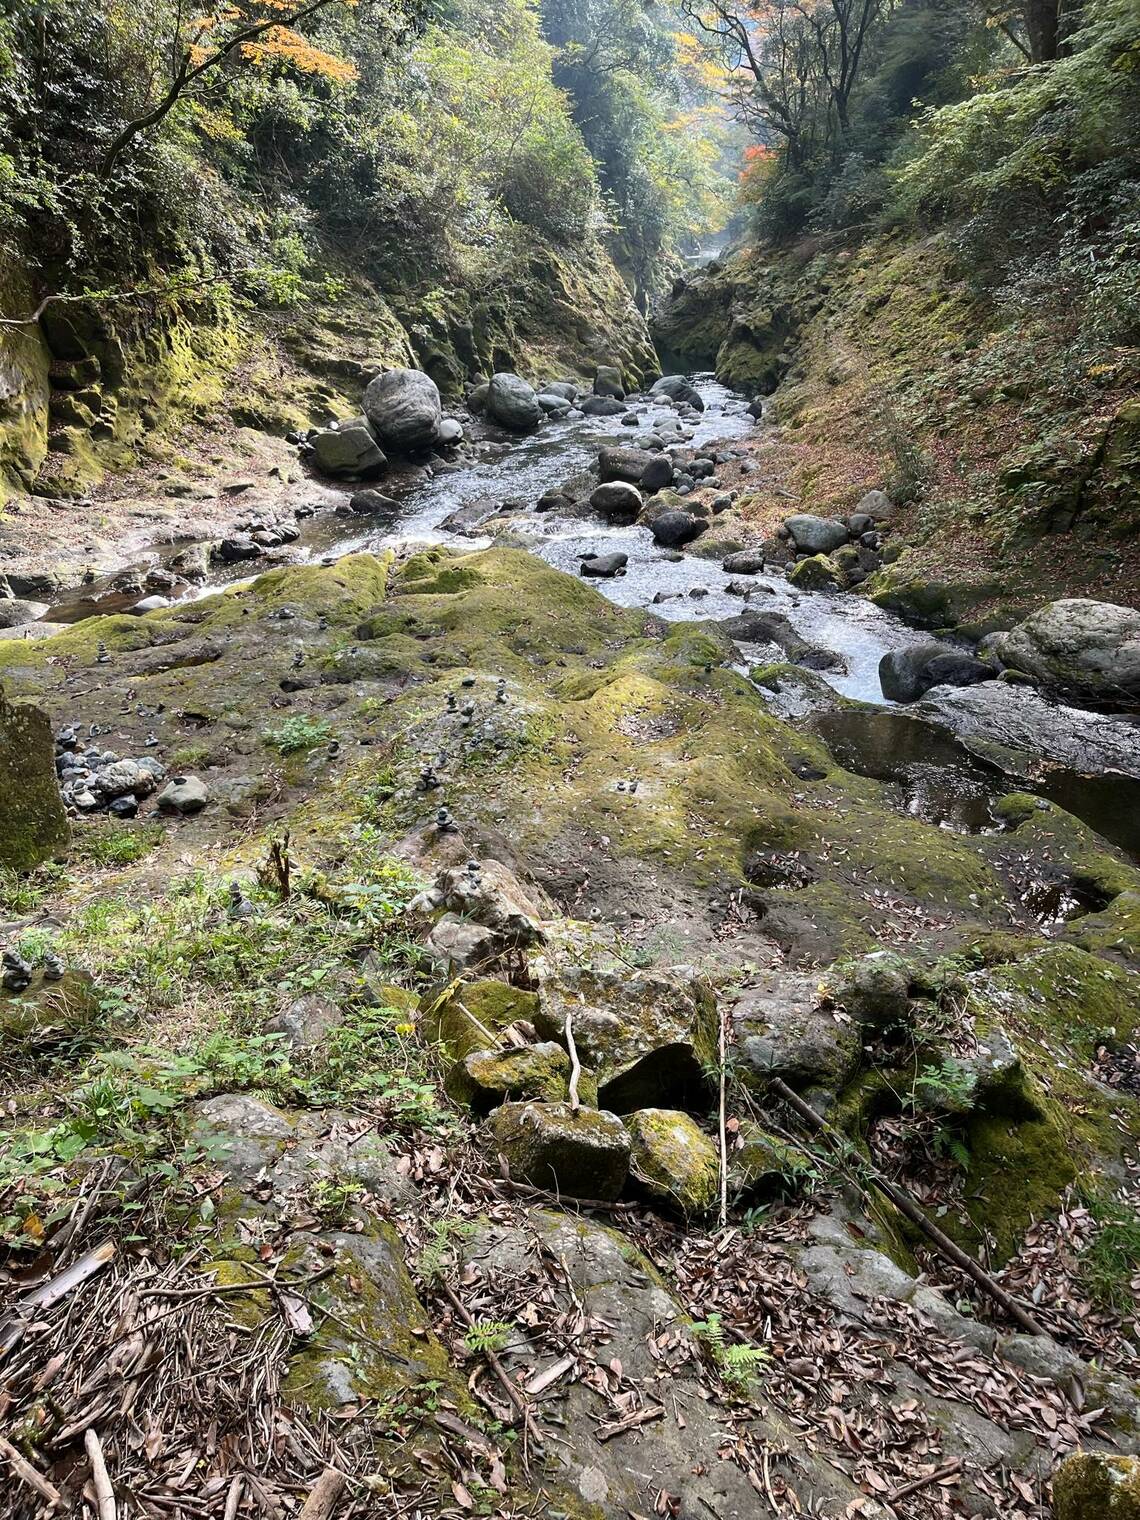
x=484 y=1078
x=674 y=1160
x=34 y=821
x=458 y=1022
x=818 y=572
x=1095 y=1486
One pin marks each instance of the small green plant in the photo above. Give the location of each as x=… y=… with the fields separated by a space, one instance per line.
x=1110 y=1263
x=24 y=892
x=298 y=734
x=437 y=1254
x=333 y=1198
x=116 y=844
x=737 y=1364
x=487 y=1335
x=947 y=1088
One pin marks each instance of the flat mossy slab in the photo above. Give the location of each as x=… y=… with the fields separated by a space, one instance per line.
x=461 y=1020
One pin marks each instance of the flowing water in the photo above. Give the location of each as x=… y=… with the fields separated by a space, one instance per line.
x=934 y=777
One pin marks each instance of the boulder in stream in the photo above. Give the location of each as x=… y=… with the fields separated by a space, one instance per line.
x=608 y=382
x=678 y=388
x=625 y=464
x=1088 y=650
x=815 y=535
x=676 y=527
x=604 y=566
x=403 y=408
x=512 y=403
x=349 y=451
x=906 y=674
x=617 y=501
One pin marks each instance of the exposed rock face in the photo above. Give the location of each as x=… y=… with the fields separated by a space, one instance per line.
x=816 y=535
x=350 y=452
x=673 y=1159
x=1090 y=650
x=404 y=409
x=33 y=823
x=644 y=1036
x=905 y=674
x=584 y=1154
x=784 y=1031
x=512 y=403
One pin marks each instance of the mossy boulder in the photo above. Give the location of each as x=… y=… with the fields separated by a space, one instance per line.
x=461 y=1021
x=673 y=1160
x=818 y=572
x=647 y=1037
x=49 y=1013
x=33 y=823
x=1094 y=1486
x=583 y=1153
x=485 y=1078
x=786 y=1027
x=874 y=990
x=762 y=1166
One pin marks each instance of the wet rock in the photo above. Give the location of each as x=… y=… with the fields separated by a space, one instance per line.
x=583 y=1154
x=755 y=627
x=905 y=674
x=403 y=409
x=350 y=451
x=477 y=397
x=192 y=562
x=608 y=382
x=657 y=473
x=1097 y=1486
x=1087 y=650
x=816 y=535
x=484 y=1079
x=784 y=1030
x=13 y=612
x=678 y=388
x=604 y=566
x=512 y=403
x=184 y=794
x=624 y=464
x=617 y=501
x=553 y=406
x=744 y=562
x=449 y=433
x=673 y=1160
x=817 y=573
x=601 y=406
x=645 y=1036
x=676 y=527
x=238 y=547
x=369 y=502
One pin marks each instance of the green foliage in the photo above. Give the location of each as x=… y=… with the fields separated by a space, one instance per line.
x=737 y=1363
x=487 y=1335
x=947 y=1087
x=114 y=844
x=295 y=735
x=1110 y=1264
x=24 y=891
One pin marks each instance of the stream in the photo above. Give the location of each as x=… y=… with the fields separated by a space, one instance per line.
x=933 y=773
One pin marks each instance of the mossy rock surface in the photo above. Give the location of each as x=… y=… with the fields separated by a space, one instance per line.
x=818 y=572
x=33 y=824
x=1094 y=1486
x=583 y=1153
x=673 y=1160
x=461 y=1021
x=485 y=1078
x=49 y=1013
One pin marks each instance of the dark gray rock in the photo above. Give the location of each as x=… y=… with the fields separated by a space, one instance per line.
x=657 y=473
x=906 y=674
x=815 y=535
x=744 y=562
x=350 y=452
x=755 y=627
x=369 y=502
x=403 y=409
x=604 y=566
x=608 y=382
x=625 y=464
x=512 y=403
x=617 y=501
x=678 y=388
x=601 y=406
x=677 y=527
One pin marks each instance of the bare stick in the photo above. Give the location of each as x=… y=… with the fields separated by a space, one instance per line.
x=947 y=1470
x=50 y=1292
x=28 y=1474
x=104 y=1493
x=323 y=1495
x=631 y=1422
x=233 y=1498
x=723 y=1132
x=906 y=1205
x=575 y=1064
x=499 y=1370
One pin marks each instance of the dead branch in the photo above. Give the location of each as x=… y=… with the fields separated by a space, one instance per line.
x=722 y=1131
x=104 y=1493
x=947 y=1470
x=323 y=1495
x=631 y=1422
x=509 y=1387
x=575 y=1064
x=906 y=1205
x=28 y=1474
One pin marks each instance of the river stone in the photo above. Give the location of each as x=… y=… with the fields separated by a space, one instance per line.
x=184 y=794
x=554 y=406
x=755 y=627
x=449 y=433
x=877 y=505
x=678 y=388
x=905 y=674
x=815 y=535
x=372 y=501
x=13 y=612
x=1097 y=1486
x=608 y=382
x=645 y=1036
x=404 y=409
x=744 y=562
x=512 y=403
x=817 y=573
x=477 y=396
x=624 y=464
x=485 y=1078
x=783 y=1031
x=192 y=562
x=874 y=991
x=676 y=527
x=1090 y=650
x=601 y=406
x=583 y=1154
x=350 y=451
x=673 y=1160
x=617 y=501
x=657 y=473
x=565 y=389
x=604 y=566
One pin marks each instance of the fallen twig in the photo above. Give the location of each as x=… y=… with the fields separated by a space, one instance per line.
x=631 y=1422
x=104 y=1493
x=575 y=1064
x=50 y=1292
x=496 y=1366
x=28 y=1474
x=323 y=1495
x=722 y=1130
x=947 y=1470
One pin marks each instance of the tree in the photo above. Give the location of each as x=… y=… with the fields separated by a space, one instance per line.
x=260 y=31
